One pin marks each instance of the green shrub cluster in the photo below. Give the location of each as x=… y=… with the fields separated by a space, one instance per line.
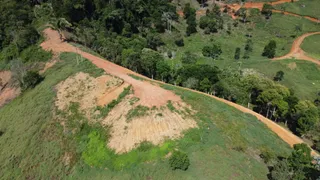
x=179 y=160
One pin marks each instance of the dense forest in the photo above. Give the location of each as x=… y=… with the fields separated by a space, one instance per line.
x=128 y=33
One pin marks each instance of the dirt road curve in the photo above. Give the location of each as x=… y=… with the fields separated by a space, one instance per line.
x=152 y=94
x=149 y=95
x=296 y=51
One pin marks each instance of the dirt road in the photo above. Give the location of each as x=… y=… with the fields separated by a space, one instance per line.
x=152 y=94
x=149 y=95
x=296 y=51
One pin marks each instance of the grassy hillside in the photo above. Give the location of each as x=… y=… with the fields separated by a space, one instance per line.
x=226 y=145
x=280 y=28
x=302 y=7
x=311 y=45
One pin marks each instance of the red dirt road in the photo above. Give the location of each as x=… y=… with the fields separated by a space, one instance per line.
x=296 y=51
x=152 y=94
x=149 y=95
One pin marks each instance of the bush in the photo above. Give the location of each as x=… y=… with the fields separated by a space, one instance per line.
x=30 y=80
x=35 y=54
x=267 y=155
x=237 y=54
x=270 y=49
x=179 y=160
x=179 y=42
x=213 y=51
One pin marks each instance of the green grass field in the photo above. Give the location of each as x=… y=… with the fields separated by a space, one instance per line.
x=226 y=145
x=302 y=7
x=311 y=45
x=280 y=28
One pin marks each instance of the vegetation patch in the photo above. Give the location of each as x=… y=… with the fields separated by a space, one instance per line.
x=104 y=111
x=138 y=111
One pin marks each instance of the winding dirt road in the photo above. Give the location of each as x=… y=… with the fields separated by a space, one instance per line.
x=296 y=51
x=152 y=94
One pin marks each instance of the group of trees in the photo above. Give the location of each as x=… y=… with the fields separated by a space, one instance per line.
x=212 y=21
x=297 y=166
x=190 y=16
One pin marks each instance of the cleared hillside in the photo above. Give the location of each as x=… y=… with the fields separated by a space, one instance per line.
x=225 y=139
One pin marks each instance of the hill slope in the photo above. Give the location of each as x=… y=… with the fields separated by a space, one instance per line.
x=224 y=141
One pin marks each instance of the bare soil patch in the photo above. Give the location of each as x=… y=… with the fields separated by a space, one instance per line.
x=7 y=90
x=292 y=65
x=155 y=125
x=88 y=92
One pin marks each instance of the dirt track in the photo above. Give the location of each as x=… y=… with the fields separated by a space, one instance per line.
x=149 y=95
x=154 y=95
x=296 y=51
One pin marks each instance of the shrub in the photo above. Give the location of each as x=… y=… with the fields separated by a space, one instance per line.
x=30 y=80
x=213 y=51
x=237 y=54
x=267 y=155
x=270 y=49
x=179 y=160
x=179 y=42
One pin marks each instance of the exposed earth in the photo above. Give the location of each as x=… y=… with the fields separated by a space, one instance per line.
x=296 y=51
x=7 y=89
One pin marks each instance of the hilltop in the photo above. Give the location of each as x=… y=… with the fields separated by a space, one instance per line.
x=159 y=90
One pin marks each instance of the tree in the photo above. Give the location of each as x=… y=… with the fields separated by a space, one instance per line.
x=30 y=80
x=205 y=85
x=179 y=160
x=188 y=11
x=131 y=59
x=306 y=114
x=154 y=41
x=267 y=10
x=270 y=49
x=189 y=58
x=213 y=51
x=191 y=83
x=192 y=24
x=237 y=54
x=281 y=171
x=279 y=76
x=163 y=71
x=149 y=60
x=300 y=157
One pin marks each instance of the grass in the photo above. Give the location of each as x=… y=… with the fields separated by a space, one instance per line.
x=311 y=8
x=225 y=141
x=311 y=45
x=137 y=112
x=226 y=144
x=304 y=79
x=104 y=111
x=31 y=142
x=280 y=28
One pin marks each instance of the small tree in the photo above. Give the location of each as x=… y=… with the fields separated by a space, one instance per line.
x=213 y=51
x=237 y=54
x=191 y=83
x=31 y=79
x=205 y=85
x=192 y=25
x=179 y=160
x=270 y=49
x=267 y=10
x=279 y=76
x=189 y=58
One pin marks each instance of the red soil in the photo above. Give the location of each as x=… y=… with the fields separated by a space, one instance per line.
x=297 y=53
x=149 y=95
